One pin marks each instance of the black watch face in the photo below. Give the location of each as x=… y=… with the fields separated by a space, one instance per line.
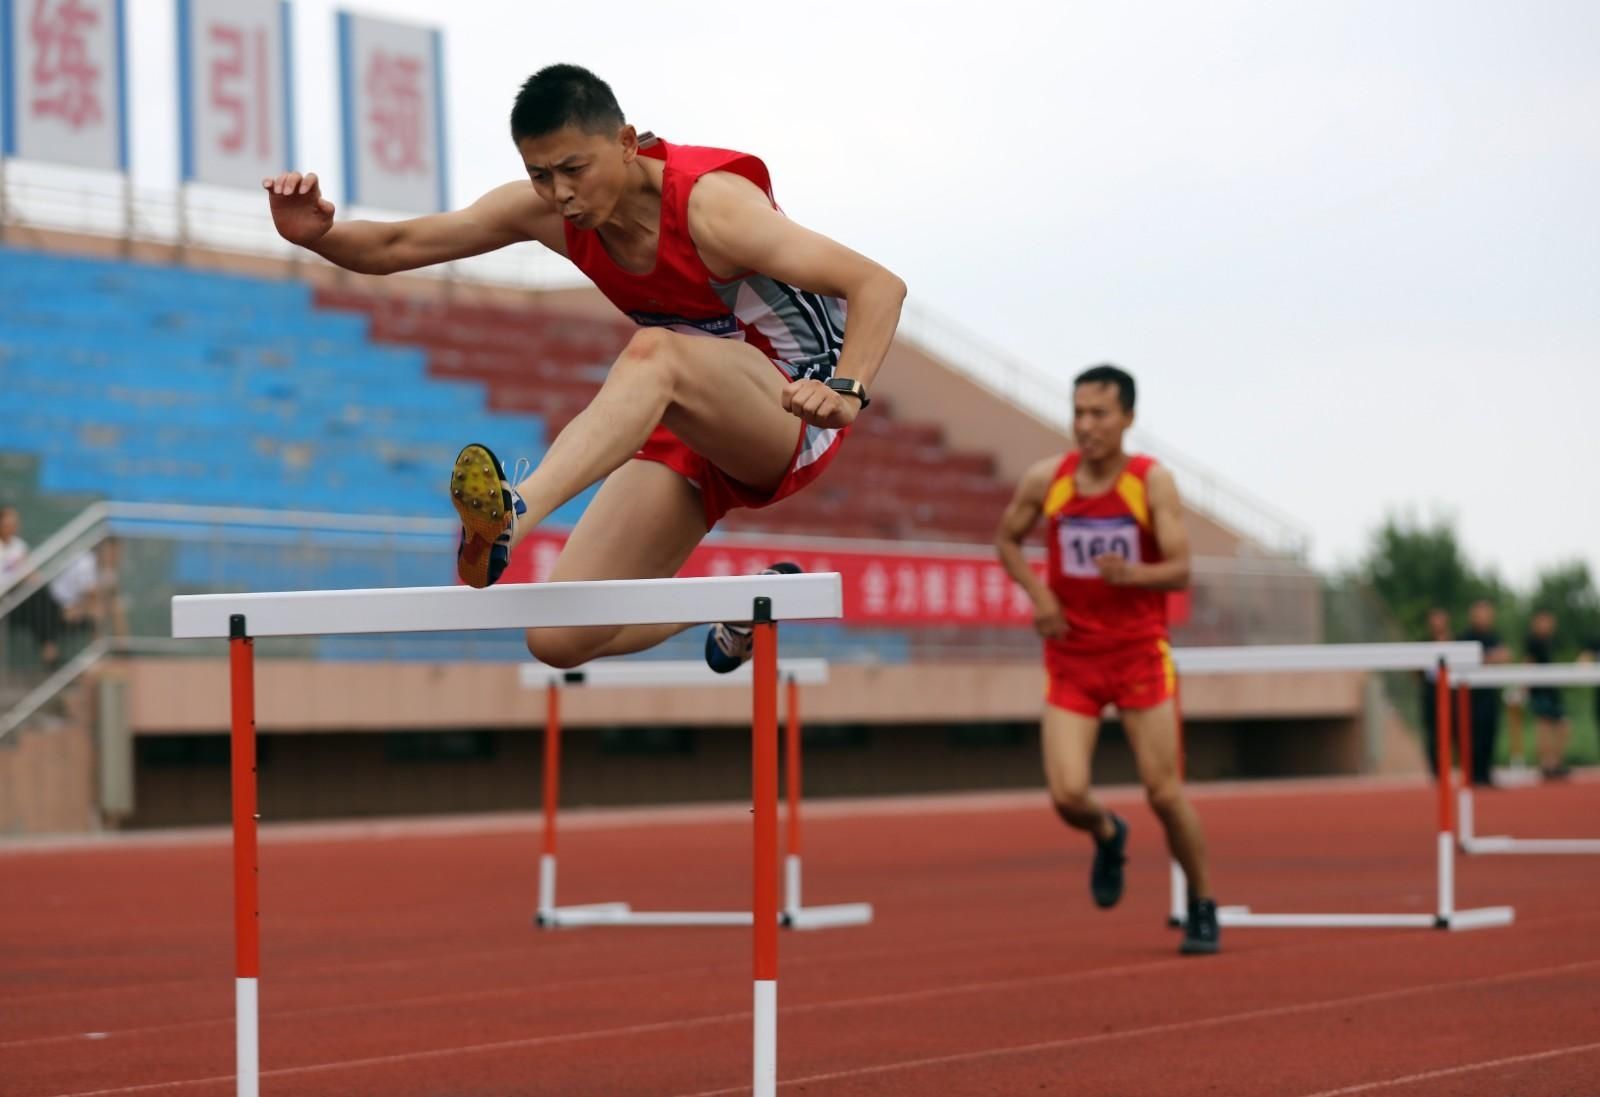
x=849 y=388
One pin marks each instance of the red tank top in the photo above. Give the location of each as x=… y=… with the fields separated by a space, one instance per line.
x=1100 y=616
x=801 y=331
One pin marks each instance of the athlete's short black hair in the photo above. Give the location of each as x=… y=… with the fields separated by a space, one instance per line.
x=1108 y=374
x=564 y=95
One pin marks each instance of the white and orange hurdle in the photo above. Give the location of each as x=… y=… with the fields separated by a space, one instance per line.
x=1552 y=675
x=762 y=599
x=648 y=673
x=1444 y=659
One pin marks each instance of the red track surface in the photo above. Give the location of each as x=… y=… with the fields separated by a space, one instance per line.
x=405 y=966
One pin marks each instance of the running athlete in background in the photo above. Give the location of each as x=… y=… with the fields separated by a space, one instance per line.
x=1116 y=547
x=737 y=388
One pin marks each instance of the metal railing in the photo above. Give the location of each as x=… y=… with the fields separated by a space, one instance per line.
x=168 y=549
x=41 y=196
x=1050 y=402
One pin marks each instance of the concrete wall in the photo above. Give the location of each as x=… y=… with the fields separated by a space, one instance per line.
x=190 y=696
x=373 y=739
x=47 y=777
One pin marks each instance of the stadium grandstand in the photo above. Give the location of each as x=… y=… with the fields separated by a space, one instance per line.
x=239 y=422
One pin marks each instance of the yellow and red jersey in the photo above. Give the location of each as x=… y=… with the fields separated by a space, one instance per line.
x=1099 y=616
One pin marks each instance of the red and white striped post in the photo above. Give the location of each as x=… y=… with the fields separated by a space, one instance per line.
x=1447 y=849
x=764 y=788
x=552 y=799
x=246 y=895
x=792 y=900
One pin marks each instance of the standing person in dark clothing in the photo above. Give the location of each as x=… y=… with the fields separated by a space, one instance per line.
x=1485 y=702
x=1545 y=702
x=1438 y=633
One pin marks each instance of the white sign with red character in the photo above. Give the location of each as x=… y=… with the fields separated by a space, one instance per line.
x=235 y=103
x=65 y=95
x=391 y=77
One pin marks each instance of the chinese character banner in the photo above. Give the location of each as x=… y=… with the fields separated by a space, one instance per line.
x=235 y=90
x=897 y=589
x=64 y=99
x=391 y=78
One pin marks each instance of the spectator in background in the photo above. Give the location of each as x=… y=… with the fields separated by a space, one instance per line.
x=1438 y=633
x=87 y=596
x=36 y=614
x=1485 y=702
x=13 y=549
x=1545 y=702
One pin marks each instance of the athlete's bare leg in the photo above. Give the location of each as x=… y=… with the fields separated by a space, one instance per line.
x=1552 y=736
x=1153 y=733
x=1068 y=740
x=722 y=398
x=643 y=524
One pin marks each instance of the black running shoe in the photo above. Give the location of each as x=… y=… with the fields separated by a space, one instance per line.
x=1105 y=879
x=1201 y=935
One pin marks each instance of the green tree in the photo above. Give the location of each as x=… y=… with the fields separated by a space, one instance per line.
x=1413 y=567
x=1568 y=591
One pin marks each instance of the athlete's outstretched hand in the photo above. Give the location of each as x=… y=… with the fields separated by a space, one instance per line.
x=299 y=212
x=819 y=405
x=1047 y=618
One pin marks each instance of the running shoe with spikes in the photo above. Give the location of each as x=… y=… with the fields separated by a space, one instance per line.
x=1201 y=935
x=489 y=507
x=1110 y=855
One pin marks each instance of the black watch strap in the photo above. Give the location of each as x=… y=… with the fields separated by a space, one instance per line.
x=848 y=386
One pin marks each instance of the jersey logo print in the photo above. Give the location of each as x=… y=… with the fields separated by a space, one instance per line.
x=722 y=327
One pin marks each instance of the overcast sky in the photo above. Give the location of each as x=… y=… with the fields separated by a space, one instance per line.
x=1351 y=250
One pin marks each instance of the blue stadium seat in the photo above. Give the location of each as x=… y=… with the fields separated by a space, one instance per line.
x=144 y=383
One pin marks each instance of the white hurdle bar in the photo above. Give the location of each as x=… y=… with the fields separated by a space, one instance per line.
x=1446 y=659
x=763 y=600
x=1553 y=675
x=674 y=674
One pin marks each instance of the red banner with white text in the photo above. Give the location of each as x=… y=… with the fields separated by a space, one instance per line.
x=893 y=589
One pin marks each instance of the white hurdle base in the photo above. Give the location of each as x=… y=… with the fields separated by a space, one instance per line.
x=1480 y=918
x=621 y=914
x=1504 y=844
x=1447 y=917
x=1180 y=897
x=829 y=917
x=792 y=916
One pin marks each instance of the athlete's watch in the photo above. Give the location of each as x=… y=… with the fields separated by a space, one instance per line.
x=849 y=386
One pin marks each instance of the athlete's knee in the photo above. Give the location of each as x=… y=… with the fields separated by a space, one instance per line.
x=1072 y=799
x=1165 y=796
x=649 y=349
x=652 y=361
x=559 y=648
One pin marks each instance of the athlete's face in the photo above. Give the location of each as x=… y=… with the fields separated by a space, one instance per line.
x=1099 y=421
x=581 y=174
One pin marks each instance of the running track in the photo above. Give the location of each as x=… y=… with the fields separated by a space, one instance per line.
x=398 y=960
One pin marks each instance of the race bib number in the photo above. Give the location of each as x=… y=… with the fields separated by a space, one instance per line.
x=1082 y=539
